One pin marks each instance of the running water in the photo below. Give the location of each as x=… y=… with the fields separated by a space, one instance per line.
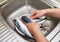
x=27 y=7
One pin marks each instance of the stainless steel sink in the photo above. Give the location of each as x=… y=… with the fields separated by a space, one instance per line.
x=15 y=4
x=13 y=7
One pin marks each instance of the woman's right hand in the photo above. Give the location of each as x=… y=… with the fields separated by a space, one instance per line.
x=33 y=27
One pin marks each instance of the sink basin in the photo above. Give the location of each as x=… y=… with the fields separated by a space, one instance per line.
x=18 y=8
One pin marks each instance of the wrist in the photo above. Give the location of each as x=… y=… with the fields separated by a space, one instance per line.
x=47 y=12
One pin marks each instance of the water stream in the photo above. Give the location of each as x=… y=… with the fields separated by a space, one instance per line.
x=27 y=9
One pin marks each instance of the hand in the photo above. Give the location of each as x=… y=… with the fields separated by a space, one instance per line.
x=33 y=27
x=38 y=13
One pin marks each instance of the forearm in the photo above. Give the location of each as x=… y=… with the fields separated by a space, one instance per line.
x=39 y=36
x=53 y=12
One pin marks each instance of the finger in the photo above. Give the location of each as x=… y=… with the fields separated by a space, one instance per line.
x=33 y=14
x=27 y=24
x=34 y=17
